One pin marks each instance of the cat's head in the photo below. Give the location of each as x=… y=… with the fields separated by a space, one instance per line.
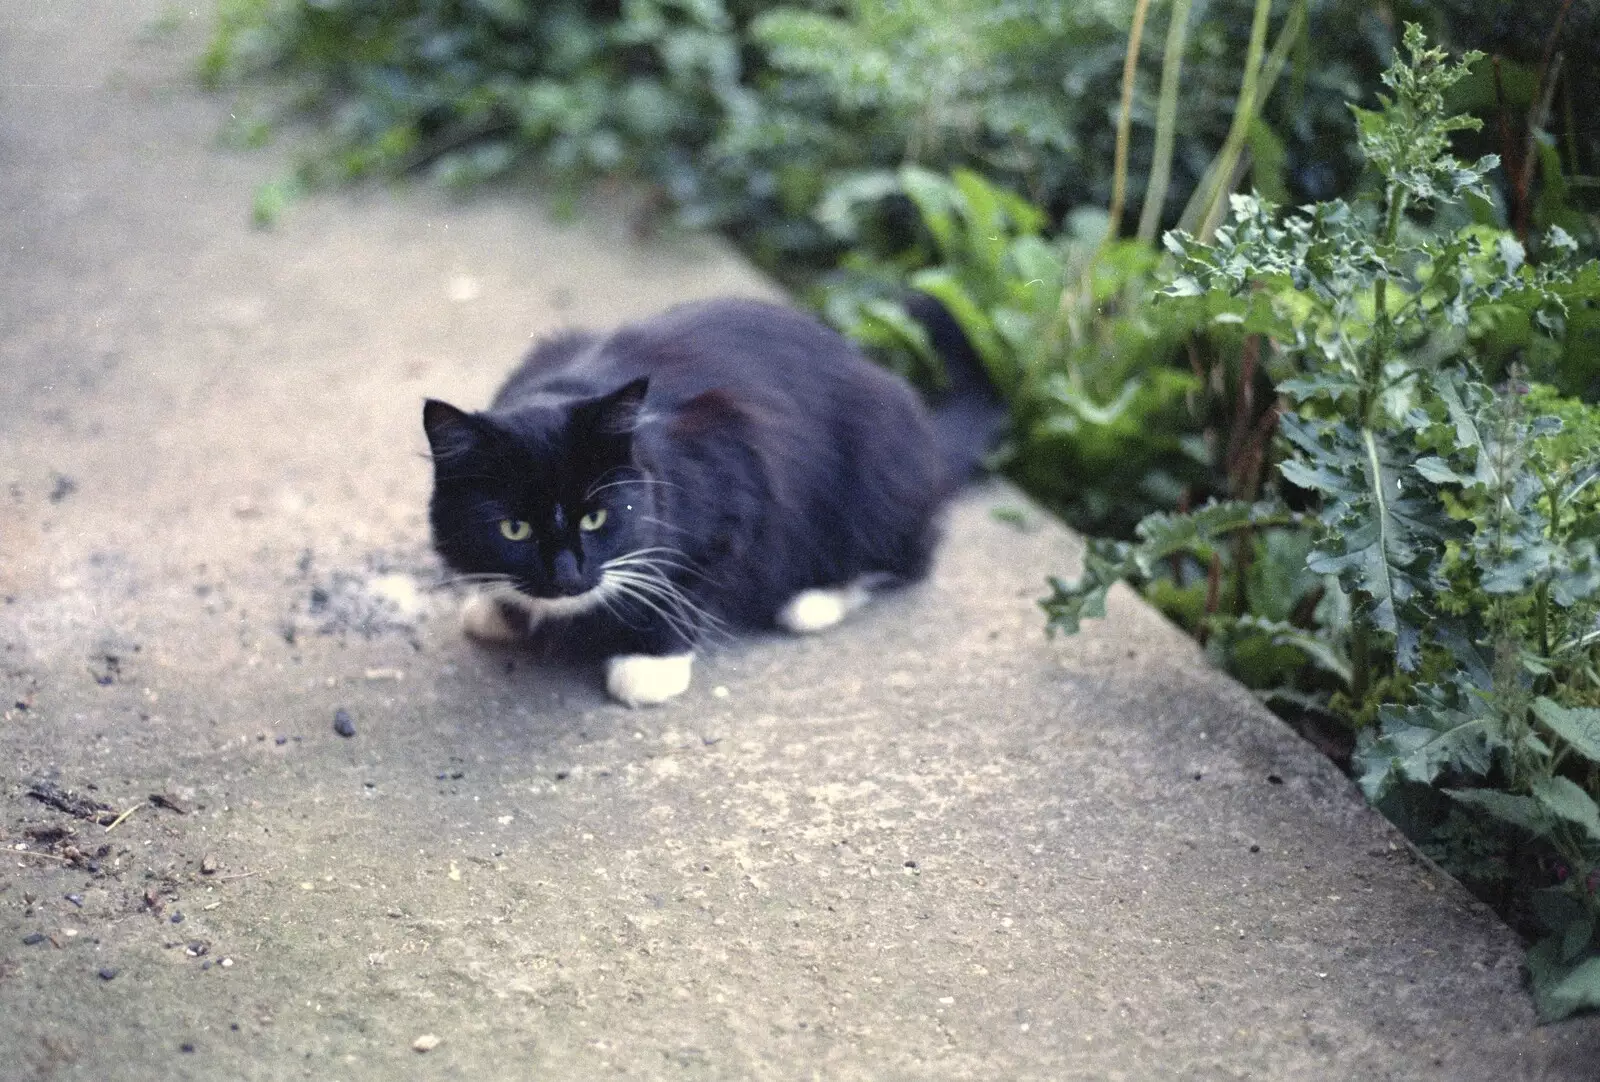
x=542 y=498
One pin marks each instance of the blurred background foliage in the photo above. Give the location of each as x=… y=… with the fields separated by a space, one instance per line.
x=792 y=128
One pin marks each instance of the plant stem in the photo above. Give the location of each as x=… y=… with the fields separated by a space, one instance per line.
x=1360 y=660
x=1542 y=617
x=1155 y=192
x=1211 y=193
x=1361 y=630
x=1382 y=325
x=1243 y=115
x=1119 y=172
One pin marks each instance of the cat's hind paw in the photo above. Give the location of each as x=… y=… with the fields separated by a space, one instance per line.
x=810 y=611
x=648 y=680
x=489 y=618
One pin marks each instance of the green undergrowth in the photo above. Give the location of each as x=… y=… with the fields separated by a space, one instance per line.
x=1420 y=563
x=754 y=117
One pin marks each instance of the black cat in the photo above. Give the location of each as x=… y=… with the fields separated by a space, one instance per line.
x=725 y=464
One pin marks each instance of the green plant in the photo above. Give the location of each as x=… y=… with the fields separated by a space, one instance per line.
x=466 y=92
x=1064 y=325
x=1449 y=596
x=744 y=114
x=1099 y=415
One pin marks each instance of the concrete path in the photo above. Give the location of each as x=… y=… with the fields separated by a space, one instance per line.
x=932 y=844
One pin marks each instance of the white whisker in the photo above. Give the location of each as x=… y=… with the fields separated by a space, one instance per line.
x=664 y=597
x=603 y=484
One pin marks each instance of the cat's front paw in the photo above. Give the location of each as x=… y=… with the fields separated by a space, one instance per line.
x=489 y=618
x=647 y=680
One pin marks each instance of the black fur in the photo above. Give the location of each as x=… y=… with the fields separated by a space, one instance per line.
x=746 y=448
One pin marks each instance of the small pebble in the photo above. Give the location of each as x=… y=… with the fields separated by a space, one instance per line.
x=176 y=918
x=226 y=963
x=343 y=723
x=186 y=1046
x=425 y=1043
x=280 y=740
x=208 y=865
x=33 y=939
x=75 y=899
x=107 y=972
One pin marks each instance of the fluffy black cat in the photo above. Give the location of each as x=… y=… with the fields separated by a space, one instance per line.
x=725 y=464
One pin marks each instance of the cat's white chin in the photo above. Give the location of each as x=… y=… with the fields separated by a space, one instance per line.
x=484 y=616
x=648 y=680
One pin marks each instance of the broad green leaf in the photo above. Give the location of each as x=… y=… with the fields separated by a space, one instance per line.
x=935 y=198
x=942 y=284
x=1038 y=265
x=1420 y=742
x=838 y=210
x=1162 y=535
x=1437 y=470
x=1579 y=727
x=1323 y=654
x=1565 y=800
x=1560 y=990
x=1518 y=811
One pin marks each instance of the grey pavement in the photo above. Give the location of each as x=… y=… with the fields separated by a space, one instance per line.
x=932 y=844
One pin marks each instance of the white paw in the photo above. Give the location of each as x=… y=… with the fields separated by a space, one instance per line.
x=813 y=610
x=645 y=680
x=483 y=619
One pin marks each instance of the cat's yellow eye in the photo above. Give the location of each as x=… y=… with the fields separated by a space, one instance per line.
x=593 y=520
x=515 y=529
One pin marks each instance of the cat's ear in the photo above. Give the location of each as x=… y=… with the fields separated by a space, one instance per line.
x=451 y=432
x=616 y=414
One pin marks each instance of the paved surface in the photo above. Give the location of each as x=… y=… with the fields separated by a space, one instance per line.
x=932 y=844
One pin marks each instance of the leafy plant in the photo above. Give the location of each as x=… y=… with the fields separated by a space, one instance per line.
x=1063 y=324
x=744 y=114
x=1453 y=529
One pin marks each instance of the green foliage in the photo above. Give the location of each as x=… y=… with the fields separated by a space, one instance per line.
x=1456 y=522
x=467 y=91
x=1064 y=326
x=749 y=115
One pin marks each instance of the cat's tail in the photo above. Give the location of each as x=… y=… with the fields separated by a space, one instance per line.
x=969 y=415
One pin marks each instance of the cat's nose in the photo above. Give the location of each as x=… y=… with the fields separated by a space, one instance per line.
x=565 y=573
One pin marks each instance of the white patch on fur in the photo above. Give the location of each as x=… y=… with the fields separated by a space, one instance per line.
x=483 y=616
x=646 y=680
x=810 y=611
x=482 y=619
